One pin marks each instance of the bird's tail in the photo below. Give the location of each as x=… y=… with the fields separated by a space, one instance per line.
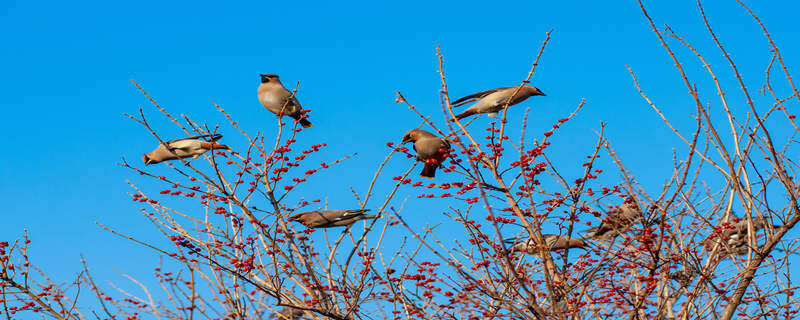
x=213 y=145
x=302 y=120
x=305 y=123
x=429 y=171
x=464 y=114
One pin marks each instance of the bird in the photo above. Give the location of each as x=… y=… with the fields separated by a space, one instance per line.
x=430 y=149
x=191 y=147
x=277 y=99
x=733 y=236
x=553 y=242
x=618 y=220
x=734 y=245
x=287 y=313
x=331 y=218
x=684 y=277
x=739 y=226
x=493 y=100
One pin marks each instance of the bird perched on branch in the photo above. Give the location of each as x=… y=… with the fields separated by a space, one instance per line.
x=733 y=236
x=492 y=101
x=287 y=313
x=430 y=149
x=739 y=226
x=331 y=218
x=618 y=220
x=553 y=242
x=280 y=101
x=191 y=147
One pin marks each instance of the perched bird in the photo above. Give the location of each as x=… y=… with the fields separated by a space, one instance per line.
x=277 y=99
x=191 y=147
x=287 y=313
x=733 y=236
x=331 y=218
x=430 y=149
x=738 y=226
x=618 y=220
x=553 y=242
x=684 y=277
x=492 y=101
x=734 y=245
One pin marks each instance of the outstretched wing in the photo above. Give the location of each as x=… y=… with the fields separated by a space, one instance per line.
x=475 y=96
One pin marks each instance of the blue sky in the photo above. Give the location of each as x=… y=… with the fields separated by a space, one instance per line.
x=66 y=68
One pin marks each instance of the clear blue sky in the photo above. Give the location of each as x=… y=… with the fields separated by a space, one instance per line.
x=66 y=68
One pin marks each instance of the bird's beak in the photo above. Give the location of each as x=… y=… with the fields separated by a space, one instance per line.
x=542 y=94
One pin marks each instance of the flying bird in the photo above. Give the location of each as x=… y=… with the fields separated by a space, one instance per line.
x=618 y=220
x=191 y=147
x=553 y=242
x=280 y=101
x=492 y=101
x=331 y=218
x=430 y=149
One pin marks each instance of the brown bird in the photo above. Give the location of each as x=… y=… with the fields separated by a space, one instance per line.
x=733 y=236
x=684 y=277
x=280 y=101
x=287 y=313
x=331 y=218
x=738 y=226
x=618 y=220
x=492 y=101
x=553 y=242
x=430 y=149
x=191 y=147
x=734 y=245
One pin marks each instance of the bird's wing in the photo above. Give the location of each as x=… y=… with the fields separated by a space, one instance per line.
x=215 y=137
x=296 y=216
x=293 y=101
x=189 y=142
x=211 y=137
x=475 y=96
x=331 y=217
x=446 y=144
x=182 y=144
x=348 y=214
